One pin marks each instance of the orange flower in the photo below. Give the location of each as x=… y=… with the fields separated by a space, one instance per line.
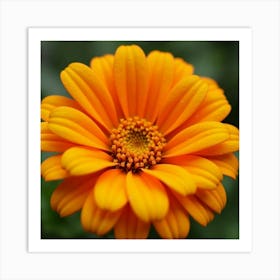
x=141 y=144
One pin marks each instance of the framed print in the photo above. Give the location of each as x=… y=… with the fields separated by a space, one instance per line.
x=138 y=114
x=139 y=139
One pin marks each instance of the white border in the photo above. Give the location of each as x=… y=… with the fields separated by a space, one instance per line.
x=243 y=35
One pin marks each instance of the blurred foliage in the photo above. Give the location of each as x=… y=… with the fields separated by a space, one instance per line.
x=215 y=59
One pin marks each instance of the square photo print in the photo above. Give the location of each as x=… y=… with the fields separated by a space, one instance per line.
x=139 y=139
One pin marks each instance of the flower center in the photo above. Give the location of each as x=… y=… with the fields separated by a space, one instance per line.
x=136 y=144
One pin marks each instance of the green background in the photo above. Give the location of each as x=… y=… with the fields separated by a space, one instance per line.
x=216 y=59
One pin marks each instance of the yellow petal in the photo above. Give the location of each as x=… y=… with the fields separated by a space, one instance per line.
x=182 y=69
x=129 y=226
x=214 y=199
x=228 y=164
x=75 y=126
x=181 y=103
x=71 y=194
x=96 y=220
x=53 y=101
x=82 y=161
x=196 y=138
x=91 y=93
x=147 y=196
x=110 y=190
x=174 y=176
x=52 y=169
x=228 y=146
x=161 y=72
x=196 y=209
x=131 y=79
x=50 y=142
x=176 y=223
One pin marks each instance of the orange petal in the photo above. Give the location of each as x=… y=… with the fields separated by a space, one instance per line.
x=196 y=138
x=211 y=82
x=214 y=199
x=182 y=69
x=204 y=172
x=131 y=79
x=147 y=196
x=129 y=226
x=103 y=68
x=91 y=93
x=50 y=142
x=181 y=103
x=214 y=107
x=96 y=220
x=174 y=176
x=71 y=194
x=75 y=126
x=51 y=102
x=176 y=93
x=196 y=209
x=81 y=161
x=228 y=164
x=176 y=223
x=222 y=194
x=110 y=190
x=228 y=146
x=161 y=72
x=52 y=169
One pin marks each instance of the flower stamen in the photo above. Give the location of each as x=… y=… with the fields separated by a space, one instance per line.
x=136 y=144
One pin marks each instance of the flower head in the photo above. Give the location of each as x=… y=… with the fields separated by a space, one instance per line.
x=139 y=144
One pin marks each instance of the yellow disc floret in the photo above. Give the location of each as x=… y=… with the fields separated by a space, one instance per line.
x=136 y=144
